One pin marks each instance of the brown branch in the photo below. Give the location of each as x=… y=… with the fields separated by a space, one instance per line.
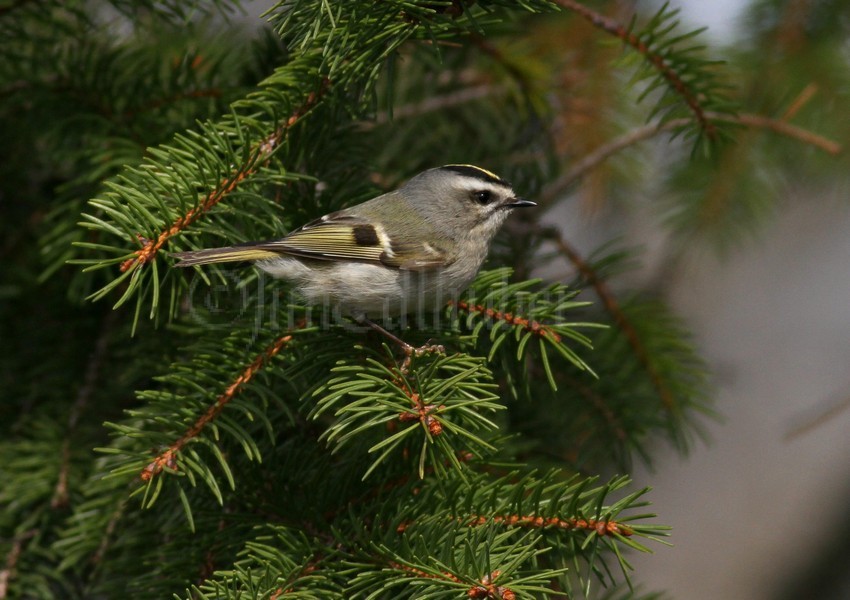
x=656 y=60
x=604 y=152
x=168 y=458
x=258 y=156
x=511 y=319
x=613 y=308
x=483 y=590
x=436 y=103
x=99 y=354
x=110 y=528
x=824 y=416
x=8 y=572
x=420 y=573
x=786 y=129
x=790 y=32
x=600 y=526
x=800 y=101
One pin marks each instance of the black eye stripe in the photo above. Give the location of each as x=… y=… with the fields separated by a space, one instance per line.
x=365 y=235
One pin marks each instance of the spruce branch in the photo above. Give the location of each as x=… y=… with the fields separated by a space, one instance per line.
x=782 y=127
x=531 y=326
x=168 y=457
x=440 y=403
x=670 y=64
x=485 y=589
x=612 y=306
x=601 y=527
x=517 y=313
x=592 y=160
x=108 y=533
x=531 y=513
x=92 y=373
x=12 y=557
x=257 y=157
x=435 y=104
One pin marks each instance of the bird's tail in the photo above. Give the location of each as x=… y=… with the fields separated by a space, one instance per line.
x=220 y=255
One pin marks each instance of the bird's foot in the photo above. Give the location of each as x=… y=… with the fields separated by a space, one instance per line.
x=411 y=351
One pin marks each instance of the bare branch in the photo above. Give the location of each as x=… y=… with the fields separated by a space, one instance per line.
x=601 y=154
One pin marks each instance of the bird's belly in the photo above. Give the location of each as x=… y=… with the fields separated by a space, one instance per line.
x=372 y=290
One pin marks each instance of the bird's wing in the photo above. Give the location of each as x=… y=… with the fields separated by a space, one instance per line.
x=339 y=236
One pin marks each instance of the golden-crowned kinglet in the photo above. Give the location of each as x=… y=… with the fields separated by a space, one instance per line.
x=408 y=250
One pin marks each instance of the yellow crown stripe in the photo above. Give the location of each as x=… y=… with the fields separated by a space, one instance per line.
x=477 y=168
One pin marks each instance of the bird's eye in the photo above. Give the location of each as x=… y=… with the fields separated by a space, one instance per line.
x=483 y=197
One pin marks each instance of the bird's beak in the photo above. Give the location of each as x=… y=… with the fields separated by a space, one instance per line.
x=519 y=202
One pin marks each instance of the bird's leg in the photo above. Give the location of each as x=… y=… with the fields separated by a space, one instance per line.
x=408 y=350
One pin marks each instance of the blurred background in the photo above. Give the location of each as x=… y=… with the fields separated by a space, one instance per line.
x=760 y=511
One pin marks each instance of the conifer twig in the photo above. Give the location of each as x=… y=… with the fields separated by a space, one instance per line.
x=168 y=457
x=800 y=101
x=786 y=129
x=60 y=491
x=420 y=573
x=435 y=103
x=609 y=302
x=8 y=572
x=289 y=588
x=600 y=526
x=656 y=60
x=484 y=589
x=534 y=327
x=639 y=134
x=258 y=156
x=108 y=531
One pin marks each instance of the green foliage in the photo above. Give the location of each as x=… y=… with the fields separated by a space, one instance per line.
x=254 y=447
x=685 y=81
x=454 y=393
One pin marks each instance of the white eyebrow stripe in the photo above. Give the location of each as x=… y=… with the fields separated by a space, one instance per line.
x=474 y=185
